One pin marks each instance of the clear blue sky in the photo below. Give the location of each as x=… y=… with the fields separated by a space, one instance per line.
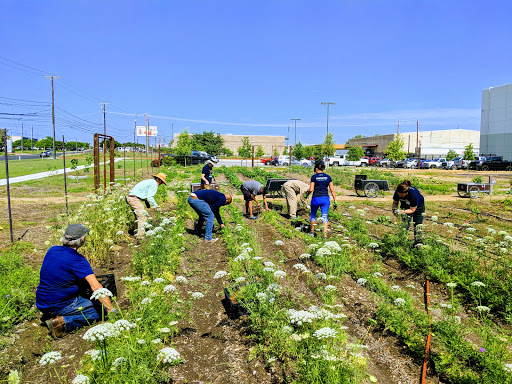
x=248 y=67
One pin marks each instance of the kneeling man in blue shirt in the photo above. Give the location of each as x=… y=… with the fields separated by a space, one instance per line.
x=57 y=295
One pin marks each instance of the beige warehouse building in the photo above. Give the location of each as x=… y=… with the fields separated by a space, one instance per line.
x=233 y=142
x=433 y=143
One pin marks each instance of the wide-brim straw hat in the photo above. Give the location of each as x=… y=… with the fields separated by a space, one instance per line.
x=161 y=176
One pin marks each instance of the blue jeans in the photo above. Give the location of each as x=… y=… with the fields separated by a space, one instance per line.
x=75 y=318
x=205 y=213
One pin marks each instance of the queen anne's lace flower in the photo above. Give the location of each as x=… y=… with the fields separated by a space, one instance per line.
x=81 y=379
x=361 y=281
x=96 y=354
x=130 y=278
x=268 y=264
x=312 y=247
x=240 y=279
x=101 y=294
x=239 y=258
x=325 y=333
x=332 y=246
x=123 y=325
x=330 y=288
x=321 y=276
x=261 y=296
x=159 y=280
x=482 y=308
x=119 y=361
x=395 y=288
x=169 y=288
x=168 y=356
x=300 y=317
x=146 y=300
x=145 y=282
x=377 y=274
x=279 y=274
x=100 y=332
x=477 y=284
x=451 y=285
x=273 y=287
x=197 y=295
x=278 y=243
x=305 y=256
x=165 y=330
x=300 y=267
x=50 y=358
x=220 y=274
x=399 y=302
x=268 y=269
x=181 y=279
x=321 y=252
x=373 y=245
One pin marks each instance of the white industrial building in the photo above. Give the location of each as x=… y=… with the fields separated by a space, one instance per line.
x=496 y=122
x=432 y=143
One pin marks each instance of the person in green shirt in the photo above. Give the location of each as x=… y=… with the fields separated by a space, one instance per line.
x=144 y=191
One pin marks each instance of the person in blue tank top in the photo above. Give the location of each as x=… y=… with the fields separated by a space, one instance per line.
x=320 y=185
x=412 y=204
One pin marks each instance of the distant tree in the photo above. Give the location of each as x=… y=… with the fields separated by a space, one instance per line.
x=394 y=150
x=184 y=144
x=327 y=147
x=286 y=150
x=451 y=155
x=26 y=143
x=298 y=151
x=355 y=153
x=275 y=152
x=260 y=151
x=245 y=151
x=47 y=142
x=468 y=152
x=358 y=137
x=208 y=141
x=226 y=151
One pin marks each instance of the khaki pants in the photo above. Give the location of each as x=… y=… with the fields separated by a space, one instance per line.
x=206 y=186
x=291 y=190
x=136 y=204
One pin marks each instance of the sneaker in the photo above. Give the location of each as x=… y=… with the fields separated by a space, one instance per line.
x=212 y=240
x=253 y=217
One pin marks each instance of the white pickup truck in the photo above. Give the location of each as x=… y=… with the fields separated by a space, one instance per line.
x=343 y=160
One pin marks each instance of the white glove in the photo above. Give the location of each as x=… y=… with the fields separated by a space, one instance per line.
x=399 y=211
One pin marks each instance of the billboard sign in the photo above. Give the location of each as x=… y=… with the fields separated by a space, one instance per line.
x=141 y=131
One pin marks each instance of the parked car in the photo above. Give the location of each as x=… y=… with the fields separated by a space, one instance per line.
x=412 y=163
x=450 y=164
x=334 y=160
x=373 y=160
x=477 y=163
x=496 y=163
x=46 y=153
x=285 y=161
x=400 y=163
x=267 y=160
x=434 y=163
x=382 y=162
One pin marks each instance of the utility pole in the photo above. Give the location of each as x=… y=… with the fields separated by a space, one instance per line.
x=418 y=138
x=22 y=137
x=288 y=136
x=295 y=120
x=53 y=114
x=172 y=135
x=327 y=103
x=32 y=139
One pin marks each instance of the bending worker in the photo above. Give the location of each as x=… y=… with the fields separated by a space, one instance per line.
x=412 y=204
x=57 y=295
x=144 y=192
x=320 y=185
x=207 y=203
x=293 y=191
x=206 y=175
x=250 y=190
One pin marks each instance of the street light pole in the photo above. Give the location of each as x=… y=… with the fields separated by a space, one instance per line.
x=327 y=103
x=295 y=120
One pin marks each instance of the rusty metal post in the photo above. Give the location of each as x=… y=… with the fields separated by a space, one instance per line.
x=96 y=162
x=112 y=164
x=290 y=164
x=252 y=162
x=65 y=181
x=7 y=178
x=159 y=156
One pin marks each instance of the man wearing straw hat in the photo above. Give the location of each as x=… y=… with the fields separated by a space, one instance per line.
x=144 y=191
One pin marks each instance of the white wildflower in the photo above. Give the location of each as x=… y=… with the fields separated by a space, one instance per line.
x=197 y=295
x=399 y=302
x=156 y=341
x=50 y=358
x=482 y=308
x=164 y=330
x=145 y=282
x=325 y=333
x=300 y=317
x=278 y=243
x=100 y=332
x=395 y=288
x=279 y=274
x=330 y=288
x=273 y=287
x=448 y=224
x=123 y=325
x=119 y=361
x=119 y=233
x=373 y=245
x=300 y=267
x=268 y=264
x=492 y=231
x=268 y=269
x=220 y=274
x=361 y=281
x=261 y=296
x=451 y=285
x=477 y=284
x=470 y=229
x=305 y=256
x=169 y=288
x=168 y=356
x=239 y=258
x=181 y=279
x=257 y=258
x=81 y=379
x=321 y=276
x=456 y=319
x=101 y=294
x=377 y=274
x=141 y=341
x=434 y=218
x=159 y=280
x=240 y=279
x=312 y=247
x=333 y=246
x=146 y=300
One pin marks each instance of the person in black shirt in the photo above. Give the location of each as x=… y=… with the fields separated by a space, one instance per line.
x=320 y=185
x=412 y=204
x=206 y=175
x=207 y=204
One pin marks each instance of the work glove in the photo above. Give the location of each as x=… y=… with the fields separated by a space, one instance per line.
x=305 y=196
x=335 y=205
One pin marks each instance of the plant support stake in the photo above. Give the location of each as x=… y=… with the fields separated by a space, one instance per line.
x=65 y=183
x=7 y=179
